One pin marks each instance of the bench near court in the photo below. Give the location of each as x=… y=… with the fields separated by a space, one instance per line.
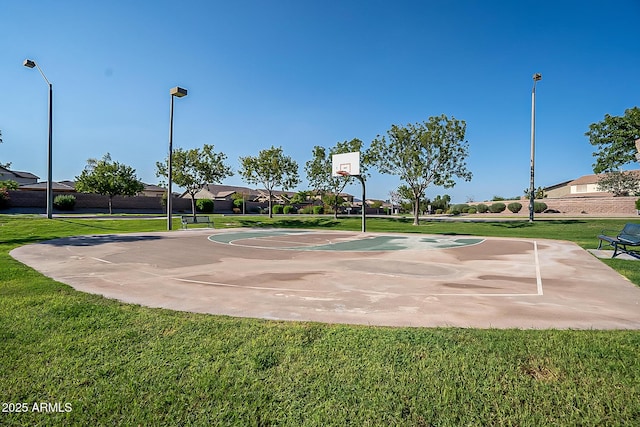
x=198 y=219
x=624 y=241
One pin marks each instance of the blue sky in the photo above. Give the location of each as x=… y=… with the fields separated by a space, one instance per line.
x=297 y=74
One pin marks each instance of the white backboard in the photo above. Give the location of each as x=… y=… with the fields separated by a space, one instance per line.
x=346 y=162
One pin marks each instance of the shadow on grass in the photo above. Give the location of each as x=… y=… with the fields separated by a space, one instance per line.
x=97 y=240
x=81 y=223
x=526 y=224
x=290 y=223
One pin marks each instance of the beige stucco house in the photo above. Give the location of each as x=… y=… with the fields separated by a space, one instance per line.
x=585 y=186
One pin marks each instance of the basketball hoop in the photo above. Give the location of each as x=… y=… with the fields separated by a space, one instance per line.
x=343 y=173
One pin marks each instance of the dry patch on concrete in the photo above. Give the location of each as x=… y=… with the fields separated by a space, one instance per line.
x=345 y=277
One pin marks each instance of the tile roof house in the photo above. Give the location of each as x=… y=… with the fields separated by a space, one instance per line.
x=58 y=187
x=70 y=187
x=17 y=176
x=585 y=186
x=222 y=192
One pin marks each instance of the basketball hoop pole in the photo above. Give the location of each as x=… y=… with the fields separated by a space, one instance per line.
x=364 y=198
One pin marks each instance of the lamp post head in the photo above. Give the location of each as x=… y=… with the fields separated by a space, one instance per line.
x=178 y=92
x=537 y=77
x=29 y=63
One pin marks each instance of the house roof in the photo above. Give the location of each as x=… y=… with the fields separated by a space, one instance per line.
x=57 y=186
x=153 y=187
x=21 y=174
x=594 y=179
x=586 y=179
x=28 y=175
x=558 y=185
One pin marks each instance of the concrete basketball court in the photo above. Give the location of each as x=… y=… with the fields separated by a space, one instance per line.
x=347 y=277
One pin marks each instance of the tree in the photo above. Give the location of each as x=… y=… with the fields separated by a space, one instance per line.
x=424 y=154
x=5 y=186
x=406 y=195
x=319 y=169
x=619 y=183
x=441 y=202
x=333 y=200
x=396 y=200
x=194 y=168
x=272 y=169
x=239 y=201
x=615 y=138
x=301 y=197
x=538 y=194
x=108 y=178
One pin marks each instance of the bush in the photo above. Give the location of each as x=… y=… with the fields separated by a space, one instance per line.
x=497 y=207
x=514 y=207
x=64 y=202
x=471 y=210
x=306 y=210
x=638 y=204
x=236 y=210
x=539 y=207
x=289 y=210
x=204 y=205
x=482 y=208
x=459 y=208
x=318 y=210
x=276 y=209
x=439 y=211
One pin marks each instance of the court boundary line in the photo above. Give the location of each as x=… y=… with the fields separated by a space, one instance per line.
x=304 y=248
x=538 y=282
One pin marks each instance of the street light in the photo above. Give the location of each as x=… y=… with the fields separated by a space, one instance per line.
x=532 y=197
x=30 y=64
x=175 y=92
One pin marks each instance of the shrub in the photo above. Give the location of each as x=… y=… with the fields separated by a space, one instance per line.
x=459 y=208
x=289 y=210
x=64 y=202
x=638 y=204
x=514 y=207
x=482 y=208
x=204 y=205
x=276 y=209
x=539 y=207
x=318 y=210
x=471 y=210
x=497 y=207
x=236 y=210
x=439 y=211
x=306 y=210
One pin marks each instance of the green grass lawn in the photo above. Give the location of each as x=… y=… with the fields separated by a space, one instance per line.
x=118 y=364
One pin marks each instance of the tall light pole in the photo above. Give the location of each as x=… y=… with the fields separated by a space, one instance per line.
x=175 y=92
x=532 y=190
x=30 y=64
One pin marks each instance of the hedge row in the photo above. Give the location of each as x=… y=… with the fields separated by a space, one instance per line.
x=497 y=207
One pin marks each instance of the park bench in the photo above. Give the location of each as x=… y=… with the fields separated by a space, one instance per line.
x=198 y=219
x=629 y=236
